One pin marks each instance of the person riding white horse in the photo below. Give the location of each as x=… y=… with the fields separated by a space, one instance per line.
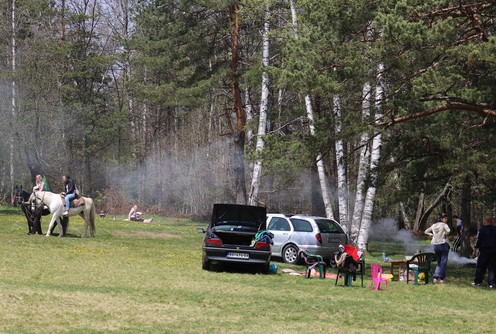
x=56 y=206
x=70 y=193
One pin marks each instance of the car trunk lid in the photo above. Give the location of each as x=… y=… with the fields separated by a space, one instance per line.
x=237 y=224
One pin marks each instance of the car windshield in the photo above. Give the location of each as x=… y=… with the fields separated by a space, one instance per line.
x=328 y=226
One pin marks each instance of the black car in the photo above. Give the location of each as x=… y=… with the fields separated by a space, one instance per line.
x=231 y=237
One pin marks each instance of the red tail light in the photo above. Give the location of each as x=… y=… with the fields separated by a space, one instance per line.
x=213 y=242
x=319 y=238
x=262 y=246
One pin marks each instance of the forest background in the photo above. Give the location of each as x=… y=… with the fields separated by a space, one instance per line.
x=356 y=110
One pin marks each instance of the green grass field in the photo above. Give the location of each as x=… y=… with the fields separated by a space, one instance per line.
x=147 y=278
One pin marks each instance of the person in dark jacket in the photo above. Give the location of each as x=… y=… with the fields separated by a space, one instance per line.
x=69 y=192
x=485 y=249
x=459 y=228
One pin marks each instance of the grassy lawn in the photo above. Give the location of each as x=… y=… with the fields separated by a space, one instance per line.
x=147 y=278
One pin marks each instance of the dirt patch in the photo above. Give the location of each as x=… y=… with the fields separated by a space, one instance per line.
x=145 y=234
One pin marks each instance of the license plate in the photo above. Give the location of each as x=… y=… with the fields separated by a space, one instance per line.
x=234 y=255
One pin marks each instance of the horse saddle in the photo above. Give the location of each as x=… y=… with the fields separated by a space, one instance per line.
x=77 y=202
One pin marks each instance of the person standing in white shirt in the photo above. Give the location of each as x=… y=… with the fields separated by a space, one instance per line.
x=439 y=232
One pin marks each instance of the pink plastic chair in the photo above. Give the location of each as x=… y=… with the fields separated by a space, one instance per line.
x=376 y=272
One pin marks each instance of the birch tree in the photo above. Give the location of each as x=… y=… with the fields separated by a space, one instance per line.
x=363 y=167
x=262 y=122
x=375 y=156
x=341 y=165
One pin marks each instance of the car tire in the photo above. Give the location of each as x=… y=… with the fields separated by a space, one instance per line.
x=205 y=263
x=290 y=254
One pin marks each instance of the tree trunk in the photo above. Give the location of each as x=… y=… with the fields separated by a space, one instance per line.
x=324 y=186
x=420 y=211
x=239 y=135
x=341 y=166
x=466 y=202
x=249 y=115
x=420 y=225
x=405 y=221
x=262 y=122
x=375 y=156
x=363 y=168
x=14 y=97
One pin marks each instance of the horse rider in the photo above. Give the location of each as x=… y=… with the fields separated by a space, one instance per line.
x=40 y=184
x=70 y=193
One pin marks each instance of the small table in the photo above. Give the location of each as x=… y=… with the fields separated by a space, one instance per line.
x=398 y=264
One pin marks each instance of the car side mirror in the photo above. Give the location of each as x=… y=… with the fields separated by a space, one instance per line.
x=200 y=230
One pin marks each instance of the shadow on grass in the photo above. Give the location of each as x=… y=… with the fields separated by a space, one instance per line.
x=236 y=268
x=10 y=212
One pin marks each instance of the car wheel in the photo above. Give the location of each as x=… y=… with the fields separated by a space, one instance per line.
x=290 y=254
x=205 y=263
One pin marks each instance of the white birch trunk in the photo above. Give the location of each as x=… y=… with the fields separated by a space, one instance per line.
x=14 y=97
x=341 y=166
x=363 y=236
x=262 y=122
x=249 y=113
x=324 y=186
x=363 y=169
x=308 y=105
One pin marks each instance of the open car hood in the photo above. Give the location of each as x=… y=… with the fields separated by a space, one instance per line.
x=241 y=214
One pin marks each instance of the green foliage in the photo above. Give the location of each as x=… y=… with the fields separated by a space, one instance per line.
x=177 y=54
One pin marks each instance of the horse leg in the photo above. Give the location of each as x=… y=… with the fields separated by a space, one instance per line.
x=64 y=222
x=85 y=230
x=52 y=225
x=30 y=224
x=61 y=227
x=37 y=222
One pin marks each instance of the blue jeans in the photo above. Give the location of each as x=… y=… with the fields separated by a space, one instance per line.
x=68 y=199
x=442 y=252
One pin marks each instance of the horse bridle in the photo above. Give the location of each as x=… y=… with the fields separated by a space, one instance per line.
x=42 y=203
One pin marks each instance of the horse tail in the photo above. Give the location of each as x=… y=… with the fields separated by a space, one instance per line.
x=92 y=217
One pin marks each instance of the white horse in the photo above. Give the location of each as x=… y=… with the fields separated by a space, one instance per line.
x=56 y=206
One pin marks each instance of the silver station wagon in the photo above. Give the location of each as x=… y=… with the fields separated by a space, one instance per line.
x=318 y=235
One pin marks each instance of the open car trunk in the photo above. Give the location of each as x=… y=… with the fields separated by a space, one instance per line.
x=235 y=238
x=237 y=224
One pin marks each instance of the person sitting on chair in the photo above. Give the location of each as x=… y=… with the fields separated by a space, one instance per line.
x=69 y=193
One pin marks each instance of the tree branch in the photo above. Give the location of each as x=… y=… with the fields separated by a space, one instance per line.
x=486 y=112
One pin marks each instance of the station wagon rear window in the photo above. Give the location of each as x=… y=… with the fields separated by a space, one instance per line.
x=328 y=226
x=301 y=225
x=279 y=224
